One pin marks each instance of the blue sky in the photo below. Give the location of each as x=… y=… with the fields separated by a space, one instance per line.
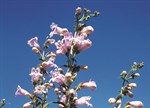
x=121 y=37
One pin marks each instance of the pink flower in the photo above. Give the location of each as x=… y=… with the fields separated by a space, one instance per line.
x=136 y=104
x=23 y=92
x=81 y=43
x=57 y=30
x=39 y=89
x=64 y=45
x=87 y=30
x=27 y=105
x=35 y=73
x=49 y=63
x=84 y=101
x=57 y=77
x=33 y=42
x=90 y=84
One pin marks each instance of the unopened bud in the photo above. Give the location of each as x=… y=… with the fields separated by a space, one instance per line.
x=132 y=85
x=51 y=41
x=128 y=106
x=56 y=90
x=78 y=10
x=35 y=49
x=84 y=67
x=112 y=100
x=130 y=94
x=136 y=75
x=118 y=102
x=68 y=76
x=123 y=73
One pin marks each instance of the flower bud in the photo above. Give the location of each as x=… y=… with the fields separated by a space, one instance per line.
x=84 y=67
x=27 y=105
x=123 y=73
x=132 y=85
x=56 y=90
x=51 y=41
x=130 y=94
x=128 y=106
x=136 y=75
x=137 y=104
x=68 y=76
x=112 y=100
x=118 y=102
x=35 y=49
x=78 y=10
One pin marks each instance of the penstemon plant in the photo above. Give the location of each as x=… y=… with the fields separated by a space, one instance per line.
x=61 y=78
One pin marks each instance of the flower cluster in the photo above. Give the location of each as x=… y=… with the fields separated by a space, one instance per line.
x=127 y=87
x=61 y=78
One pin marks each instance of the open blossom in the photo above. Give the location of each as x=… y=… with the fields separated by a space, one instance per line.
x=64 y=45
x=39 y=89
x=35 y=73
x=57 y=76
x=90 y=84
x=82 y=44
x=23 y=92
x=57 y=30
x=33 y=42
x=136 y=104
x=84 y=101
x=49 y=63
x=27 y=105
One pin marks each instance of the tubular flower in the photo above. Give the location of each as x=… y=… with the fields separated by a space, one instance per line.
x=35 y=73
x=27 y=105
x=23 y=92
x=82 y=44
x=84 y=101
x=64 y=45
x=33 y=42
x=57 y=30
x=90 y=84
x=39 y=89
x=136 y=104
x=57 y=77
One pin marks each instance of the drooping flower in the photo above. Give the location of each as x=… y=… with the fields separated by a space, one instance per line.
x=27 y=105
x=49 y=63
x=39 y=89
x=33 y=42
x=136 y=104
x=57 y=30
x=112 y=100
x=23 y=92
x=57 y=76
x=89 y=84
x=84 y=101
x=35 y=73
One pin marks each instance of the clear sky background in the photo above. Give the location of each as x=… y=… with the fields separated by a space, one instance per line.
x=121 y=37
